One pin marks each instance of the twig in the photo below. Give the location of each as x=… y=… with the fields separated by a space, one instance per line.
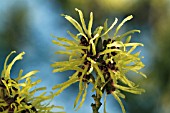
x=95 y=106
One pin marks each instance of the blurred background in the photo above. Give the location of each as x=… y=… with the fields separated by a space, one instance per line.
x=26 y=25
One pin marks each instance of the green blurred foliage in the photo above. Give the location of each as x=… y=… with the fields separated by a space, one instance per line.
x=14 y=29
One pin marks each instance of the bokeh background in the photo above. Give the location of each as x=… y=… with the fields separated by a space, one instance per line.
x=26 y=25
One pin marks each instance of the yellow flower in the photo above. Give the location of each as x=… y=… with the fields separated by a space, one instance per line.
x=17 y=96
x=106 y=55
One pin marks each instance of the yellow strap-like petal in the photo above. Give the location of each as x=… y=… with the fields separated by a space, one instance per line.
x=18 y=57
x=82 y=20
x=29 y=74
x=90 y=24
x=121 y=24
x=5 y=64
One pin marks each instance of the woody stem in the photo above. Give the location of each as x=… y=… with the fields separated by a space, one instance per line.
x=95 y=106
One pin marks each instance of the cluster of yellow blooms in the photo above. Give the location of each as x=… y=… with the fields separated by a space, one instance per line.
x=106 y=56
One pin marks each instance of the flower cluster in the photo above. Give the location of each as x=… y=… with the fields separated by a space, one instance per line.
x=16 y=97
x=106 y=55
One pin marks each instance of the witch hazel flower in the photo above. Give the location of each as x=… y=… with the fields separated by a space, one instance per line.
x=17 y=95
x=103 y=54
